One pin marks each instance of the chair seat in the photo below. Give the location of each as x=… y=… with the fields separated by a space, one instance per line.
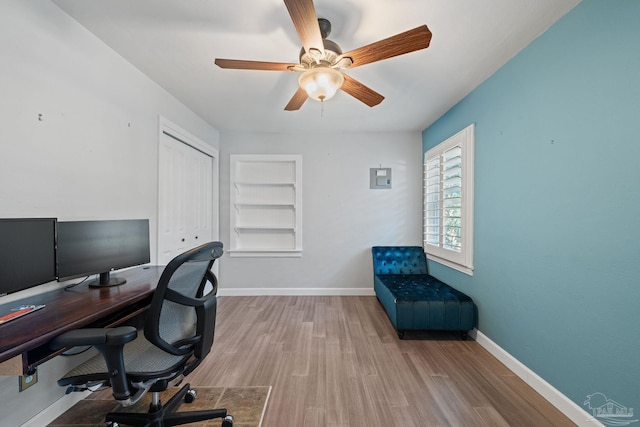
x=142 y=359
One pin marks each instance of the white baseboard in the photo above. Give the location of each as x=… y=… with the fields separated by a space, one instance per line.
x=236 y=292
x=565 y=405
x=56 y=409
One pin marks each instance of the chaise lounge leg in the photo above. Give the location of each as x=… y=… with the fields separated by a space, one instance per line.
x=464 y=335
x=400 y=334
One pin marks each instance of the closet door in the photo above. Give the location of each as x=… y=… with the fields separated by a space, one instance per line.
x=185 y=198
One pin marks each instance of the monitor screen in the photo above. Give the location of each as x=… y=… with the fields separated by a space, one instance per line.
x=99 y=247
x=27 y=253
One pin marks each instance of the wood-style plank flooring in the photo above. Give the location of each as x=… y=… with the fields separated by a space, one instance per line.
x=337 y=362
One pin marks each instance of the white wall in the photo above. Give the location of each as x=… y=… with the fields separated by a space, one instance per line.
x=342 y=217
x=79 y=137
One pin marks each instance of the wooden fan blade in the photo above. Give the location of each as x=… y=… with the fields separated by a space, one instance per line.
x=298 y=99
x=361 y=92
x=409 y=41
x=240 y=64
x=303 y=15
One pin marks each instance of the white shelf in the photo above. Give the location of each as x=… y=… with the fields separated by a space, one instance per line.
x=266 y=205
x=269 y=252
x=264 y=227
x=264 y=183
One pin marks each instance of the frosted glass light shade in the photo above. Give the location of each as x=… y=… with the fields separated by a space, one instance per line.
x=321 y=83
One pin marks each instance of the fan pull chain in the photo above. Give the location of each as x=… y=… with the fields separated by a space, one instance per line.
x=321 y=108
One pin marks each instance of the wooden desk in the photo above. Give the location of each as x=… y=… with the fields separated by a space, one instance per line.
x=24 y=342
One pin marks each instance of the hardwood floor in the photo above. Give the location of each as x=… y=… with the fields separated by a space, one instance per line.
x=337 y=362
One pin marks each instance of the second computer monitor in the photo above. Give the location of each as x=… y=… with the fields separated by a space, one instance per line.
x=100 y=247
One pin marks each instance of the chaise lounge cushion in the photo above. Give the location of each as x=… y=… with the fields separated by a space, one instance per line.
x=423 y=302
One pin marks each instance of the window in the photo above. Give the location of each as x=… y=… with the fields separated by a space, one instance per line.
x=266 y=205
x=448 y=201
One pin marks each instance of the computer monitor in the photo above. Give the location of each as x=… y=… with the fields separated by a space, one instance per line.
x=27 y=253
x=100 y=247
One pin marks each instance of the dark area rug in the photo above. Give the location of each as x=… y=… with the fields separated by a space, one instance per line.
x=246 y=404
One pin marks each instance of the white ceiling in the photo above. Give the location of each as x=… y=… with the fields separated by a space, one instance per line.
x=175 y=42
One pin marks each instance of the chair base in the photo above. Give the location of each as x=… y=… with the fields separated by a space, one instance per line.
x=163 y=416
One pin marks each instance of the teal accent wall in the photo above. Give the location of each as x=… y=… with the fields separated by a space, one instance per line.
x=557 y=203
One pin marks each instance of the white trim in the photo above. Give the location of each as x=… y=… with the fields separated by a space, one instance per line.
x=237 y=292
x=57 y=408
x=565 y=405
x=450 y=264
x=184 y=136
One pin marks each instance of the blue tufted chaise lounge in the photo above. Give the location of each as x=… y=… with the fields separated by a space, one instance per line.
x=412 y=298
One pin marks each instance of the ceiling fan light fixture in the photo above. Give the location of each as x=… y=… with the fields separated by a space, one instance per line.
x=321 y=83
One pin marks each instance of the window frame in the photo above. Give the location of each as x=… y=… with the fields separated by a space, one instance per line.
x=462 y=260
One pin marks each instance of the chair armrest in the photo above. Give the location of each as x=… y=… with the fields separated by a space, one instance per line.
x=95 y=336
x=110 y=343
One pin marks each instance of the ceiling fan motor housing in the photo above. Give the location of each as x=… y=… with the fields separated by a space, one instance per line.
x=314 y=57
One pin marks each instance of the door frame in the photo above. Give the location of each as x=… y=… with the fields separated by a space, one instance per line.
x=165 y=126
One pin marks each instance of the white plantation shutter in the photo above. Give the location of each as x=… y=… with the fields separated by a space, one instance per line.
x=432 y=201
x=452 y=198
x=448 y=201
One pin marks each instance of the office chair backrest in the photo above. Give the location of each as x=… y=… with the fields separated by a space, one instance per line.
x=181 y=318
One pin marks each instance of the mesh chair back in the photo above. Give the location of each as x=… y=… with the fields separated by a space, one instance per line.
x=181 y=318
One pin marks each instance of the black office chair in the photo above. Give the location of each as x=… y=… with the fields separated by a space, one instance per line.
x=178 y=333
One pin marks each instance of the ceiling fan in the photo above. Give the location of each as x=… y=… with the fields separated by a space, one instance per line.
x=321 y=59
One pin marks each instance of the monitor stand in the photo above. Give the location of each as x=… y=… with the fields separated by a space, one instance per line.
x=106 y=281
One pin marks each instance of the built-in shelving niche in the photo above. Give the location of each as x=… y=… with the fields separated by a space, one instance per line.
x=266 y=205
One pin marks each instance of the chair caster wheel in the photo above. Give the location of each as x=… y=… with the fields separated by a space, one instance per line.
x=190 y=396
x=228 y=421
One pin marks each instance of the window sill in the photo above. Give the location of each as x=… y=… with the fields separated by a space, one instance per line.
x=461 y=268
